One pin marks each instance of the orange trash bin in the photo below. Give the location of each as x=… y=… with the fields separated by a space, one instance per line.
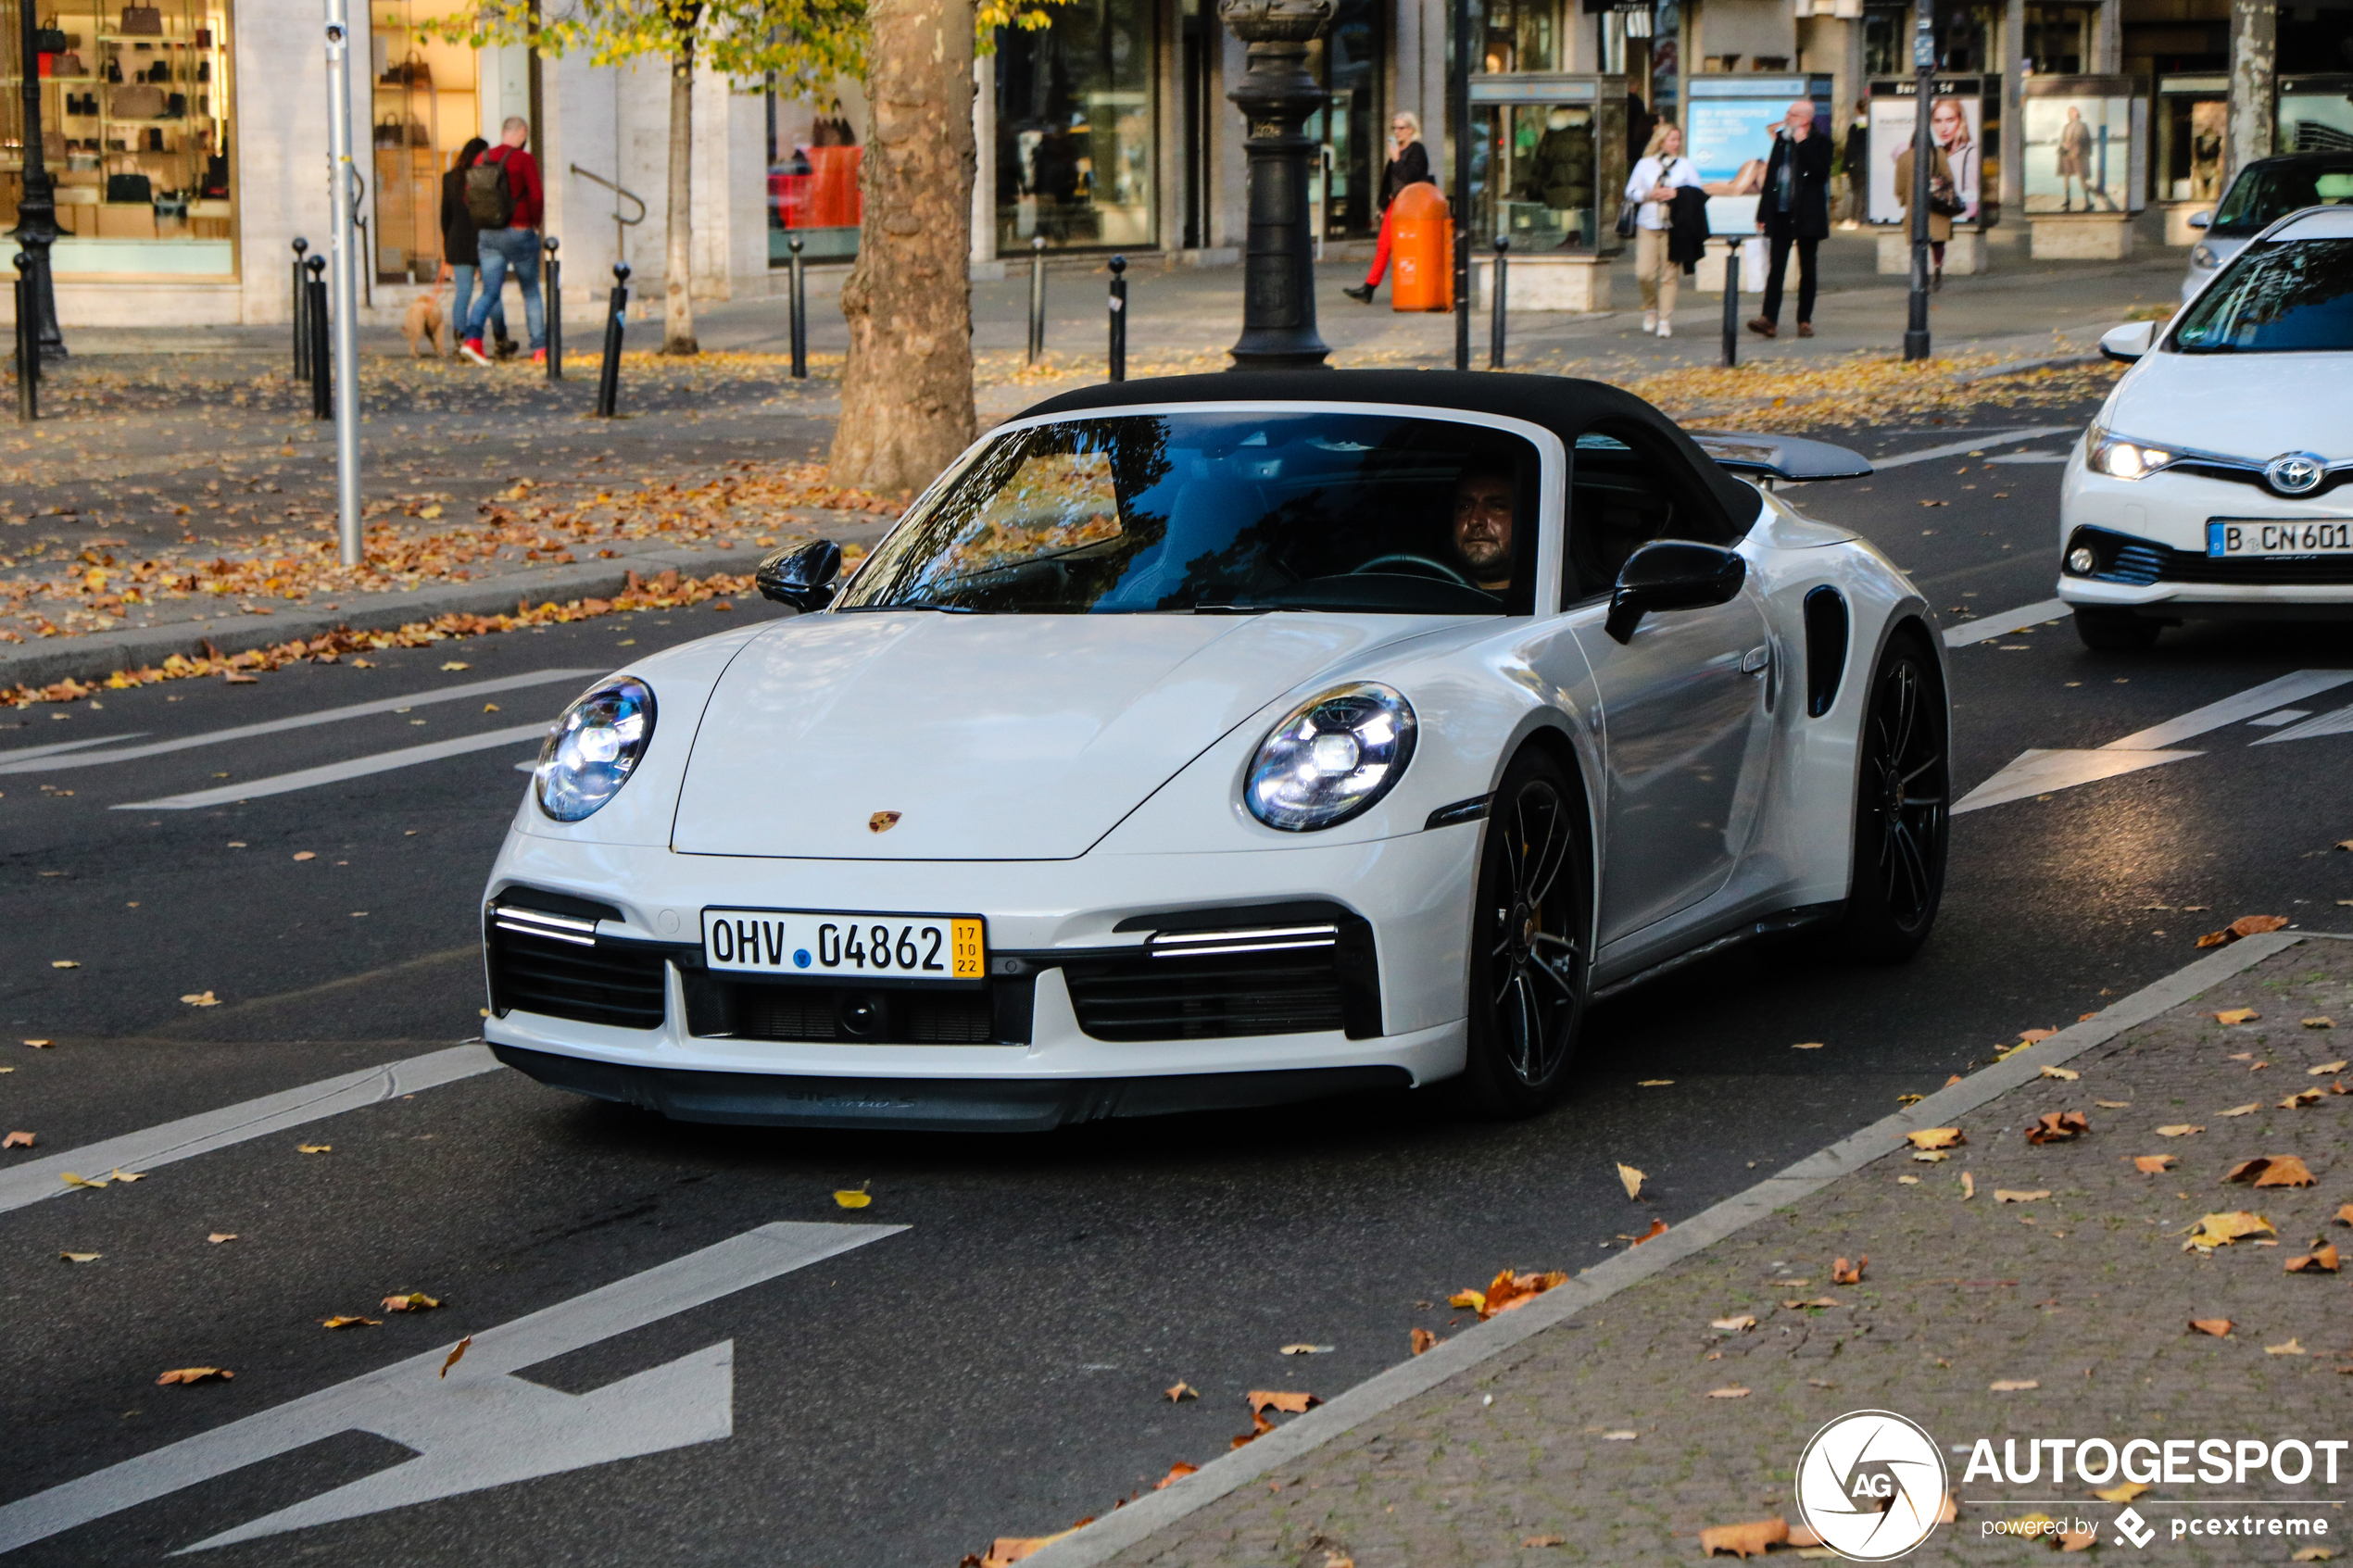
x=1421 y=248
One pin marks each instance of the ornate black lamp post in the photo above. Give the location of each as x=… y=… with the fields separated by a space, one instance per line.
x=37 y=208
x=1278 y=262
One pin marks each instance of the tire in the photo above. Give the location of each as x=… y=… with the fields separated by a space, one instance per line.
x=1531 y=949
x=2114 y=631
x=1903 y=809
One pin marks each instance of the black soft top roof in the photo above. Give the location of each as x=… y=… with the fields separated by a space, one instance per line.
x=1563 y=405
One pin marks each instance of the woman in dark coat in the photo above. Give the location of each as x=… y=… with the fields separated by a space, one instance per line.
x=1408 y=165
x=461 y=250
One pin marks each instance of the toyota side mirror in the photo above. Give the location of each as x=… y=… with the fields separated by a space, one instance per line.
x=2129 y=342
x=801 y=578
x=2201 y=220
x=1672 y=574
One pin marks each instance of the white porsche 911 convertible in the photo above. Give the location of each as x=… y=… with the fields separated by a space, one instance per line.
x=1230 y=740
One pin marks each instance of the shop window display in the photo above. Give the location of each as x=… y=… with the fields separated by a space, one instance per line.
x=426 y=106
x=812 y=180
x=134 y=111
x=1075 y=144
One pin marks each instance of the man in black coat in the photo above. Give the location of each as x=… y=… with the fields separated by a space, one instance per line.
x=1793 y=210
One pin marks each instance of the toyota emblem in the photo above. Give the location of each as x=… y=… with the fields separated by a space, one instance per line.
x=2295 y=473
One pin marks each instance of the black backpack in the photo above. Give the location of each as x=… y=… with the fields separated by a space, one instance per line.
x=490 y=201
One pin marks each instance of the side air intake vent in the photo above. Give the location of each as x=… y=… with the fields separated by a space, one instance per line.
x=1825 y=648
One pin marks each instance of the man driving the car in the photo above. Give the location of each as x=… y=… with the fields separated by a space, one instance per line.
x=1484 y=499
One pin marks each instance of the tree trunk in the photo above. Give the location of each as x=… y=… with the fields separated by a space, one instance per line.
x=677 y=272
x=907 y=391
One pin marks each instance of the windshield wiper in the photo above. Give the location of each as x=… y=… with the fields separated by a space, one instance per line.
x=940 y=604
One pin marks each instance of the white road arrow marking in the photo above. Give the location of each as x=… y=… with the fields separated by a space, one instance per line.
x=2041 y=772
x=480 y=1426
x=1987 y=628
x=2338 y=723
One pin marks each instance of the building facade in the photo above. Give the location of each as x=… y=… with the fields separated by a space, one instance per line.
x=190 y=147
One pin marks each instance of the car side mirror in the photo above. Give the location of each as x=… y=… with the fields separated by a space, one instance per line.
x=2201 y=220
x=1672 y=574
x=2128 y=342
x=801 y=578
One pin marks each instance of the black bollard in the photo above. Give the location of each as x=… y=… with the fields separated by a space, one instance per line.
x=800 y=285
x=28 y=346
x=1502 y=293
x=323 y=365
x=553 y=288
x=1732 y=303
x=301 y=314
x=1119 y=318
x=616 y=313
x=1037 y=299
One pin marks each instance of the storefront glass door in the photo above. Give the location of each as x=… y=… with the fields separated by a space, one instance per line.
x=1076 y=146
x=426 y=107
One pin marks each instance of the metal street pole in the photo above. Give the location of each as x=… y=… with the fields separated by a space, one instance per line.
x=1458 y=133
x=1923 y=151
x=342 y=317
x=1276 y=97
x=37 y=203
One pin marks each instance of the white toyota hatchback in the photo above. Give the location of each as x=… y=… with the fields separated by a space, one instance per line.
x=2218 y=481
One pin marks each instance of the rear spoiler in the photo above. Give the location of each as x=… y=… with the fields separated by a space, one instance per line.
x=1789 y=457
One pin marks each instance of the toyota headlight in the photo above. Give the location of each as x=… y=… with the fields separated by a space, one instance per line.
x=593 y=749
x=1330 y=758
x=2120 y=458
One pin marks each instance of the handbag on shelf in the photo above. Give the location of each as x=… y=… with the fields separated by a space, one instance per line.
x=204 y=38
x=130 y=188
x=154 y=138
x=138 y=103
x=69 y=64
x=175 y=106
x=142 y=21
x=50 y=39
x=114 y=69
x=204 y=70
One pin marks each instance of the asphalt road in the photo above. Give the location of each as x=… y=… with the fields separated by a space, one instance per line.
x=996 y=1366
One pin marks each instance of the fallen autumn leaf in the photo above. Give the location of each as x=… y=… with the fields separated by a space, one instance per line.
x=201 y=999
x=16 y=1141
x=349 y=1321
x=1936 y=1137
x=2013 y=1386
x=2222 y=1229
x=1423 y=1340
x=2057 y=1126
x=1752 y=1539
x=194 y=1375
x=2219 y=1327
x=2272 y=1171
x=2237 y=1015
x=315 y=1148
x=414 y=1301
x=80 y=1257
x=1630 y=1179
x=2155 y=1164
x=2322 y=1259
x=2007 y=1195
x=1842 y=1274
x=1734 y=1392
x=457 y=1351
x=2249 y=1108
x=2179 y=1130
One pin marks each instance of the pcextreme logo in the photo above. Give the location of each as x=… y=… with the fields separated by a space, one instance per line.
x=1870 y=1484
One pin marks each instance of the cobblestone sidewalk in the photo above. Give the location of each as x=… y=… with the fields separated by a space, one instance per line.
x=2062 y=1309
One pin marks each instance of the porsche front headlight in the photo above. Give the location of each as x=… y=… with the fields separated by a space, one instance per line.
x=593 y=749
x=1330 y=758
x=2120 y=458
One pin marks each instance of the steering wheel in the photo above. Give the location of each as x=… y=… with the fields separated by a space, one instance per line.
x=1425 y=566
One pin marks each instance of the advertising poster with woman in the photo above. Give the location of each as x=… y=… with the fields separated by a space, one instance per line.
x=2085 y=144
x=1956 y=121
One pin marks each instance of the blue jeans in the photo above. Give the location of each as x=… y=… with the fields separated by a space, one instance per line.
x=505 y=250
x=462 y=299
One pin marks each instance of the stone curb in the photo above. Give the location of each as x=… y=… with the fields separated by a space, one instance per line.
x=96 y=656
x=1112 y=1534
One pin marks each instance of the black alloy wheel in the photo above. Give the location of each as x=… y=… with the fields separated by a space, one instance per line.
x=1530 y=950
x=1903 y=809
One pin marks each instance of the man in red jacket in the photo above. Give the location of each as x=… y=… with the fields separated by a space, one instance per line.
x=506 y=199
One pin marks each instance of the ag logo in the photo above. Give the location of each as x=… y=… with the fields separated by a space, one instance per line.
x=1871 y=1485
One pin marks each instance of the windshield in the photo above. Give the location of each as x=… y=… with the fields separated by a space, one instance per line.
x=2264 y=193
x=1221 y=512
x=2279 y=298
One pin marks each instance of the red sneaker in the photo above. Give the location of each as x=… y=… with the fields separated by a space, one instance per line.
x=471 y=349
x=539 y=356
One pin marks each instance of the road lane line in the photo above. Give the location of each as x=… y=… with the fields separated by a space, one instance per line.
x=201 y=1134
x=1986 y=628
x=1963 y=448
x=337 y=773
x=9 y=762
x=24 y=751
x=477 y=1426
x=2336 y=723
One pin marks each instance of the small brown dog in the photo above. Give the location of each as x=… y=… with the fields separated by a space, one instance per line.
x=426 y=327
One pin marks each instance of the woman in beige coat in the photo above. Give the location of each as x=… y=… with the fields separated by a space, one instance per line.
x=1939 y=227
